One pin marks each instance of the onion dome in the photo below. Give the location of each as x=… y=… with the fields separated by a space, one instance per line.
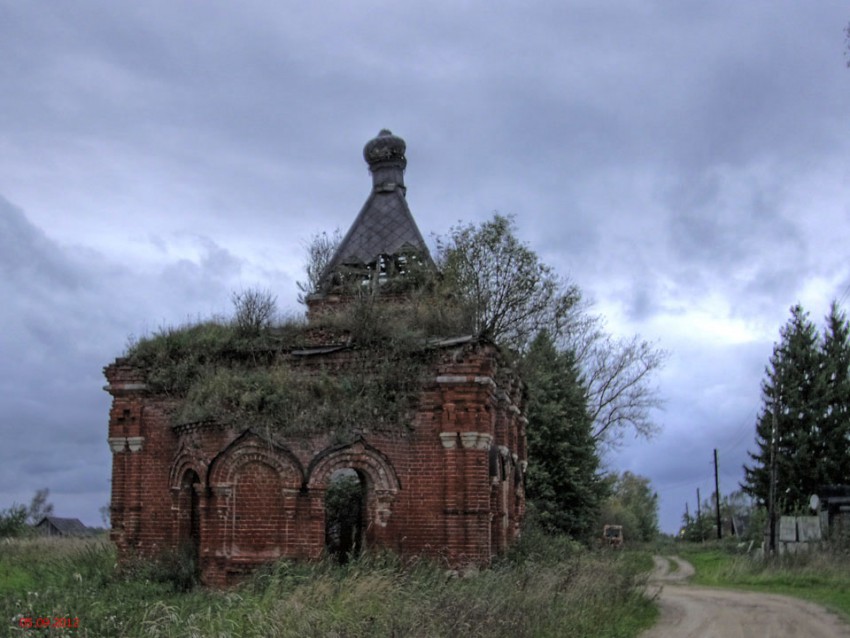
x=385 y=230
x=385 y=149
x=385 y=157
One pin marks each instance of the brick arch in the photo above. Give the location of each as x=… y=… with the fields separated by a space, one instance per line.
x=250 y=448
x=184 y=462
x=368 y=461
x=187 y=499
x=254 y=485
x=374 y=467
x=183 y=496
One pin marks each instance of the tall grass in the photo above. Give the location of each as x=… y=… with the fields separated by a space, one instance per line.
x=556 y=590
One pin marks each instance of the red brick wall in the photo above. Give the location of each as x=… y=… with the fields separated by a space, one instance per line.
x=257 y=510
x=450 y=487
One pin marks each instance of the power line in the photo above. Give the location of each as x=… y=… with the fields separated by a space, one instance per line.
x=688 y=482
x=844 y=295
x=746 y=429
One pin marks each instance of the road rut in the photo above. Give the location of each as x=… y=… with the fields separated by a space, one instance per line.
x=699 y=612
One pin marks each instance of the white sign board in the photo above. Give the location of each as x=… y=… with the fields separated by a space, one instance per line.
x=787 y=529
x=808 y=528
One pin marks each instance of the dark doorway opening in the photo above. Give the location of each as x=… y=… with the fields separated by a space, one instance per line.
x=345 y=508
x=190 y=524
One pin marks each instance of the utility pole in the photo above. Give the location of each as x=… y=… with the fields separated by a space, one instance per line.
x=717 y=497
x=771 y=505
x=699 y=516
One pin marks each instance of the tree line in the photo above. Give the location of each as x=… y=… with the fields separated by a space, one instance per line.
x=18 y=519
x=803 y=427
x=739 y=516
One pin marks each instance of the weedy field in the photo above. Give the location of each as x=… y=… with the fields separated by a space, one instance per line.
x=821 y=575
x=546 y=587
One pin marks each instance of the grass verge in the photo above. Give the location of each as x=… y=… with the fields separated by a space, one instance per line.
x=579 y=594
x=818 y=576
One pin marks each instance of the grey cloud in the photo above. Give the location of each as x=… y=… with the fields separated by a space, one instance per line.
x=67 y=312
x=727 y=224
x=27 y=256
x=653 y=152
x=642 y=304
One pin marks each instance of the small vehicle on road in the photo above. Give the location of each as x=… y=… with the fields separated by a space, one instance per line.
x=612 y=535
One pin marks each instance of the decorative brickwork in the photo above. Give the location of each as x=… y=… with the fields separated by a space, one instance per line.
x=448 y=485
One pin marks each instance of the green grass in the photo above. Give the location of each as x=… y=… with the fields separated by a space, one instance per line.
x=822 y=577
x=554 y=591
x=223 y=372
x=14 y=578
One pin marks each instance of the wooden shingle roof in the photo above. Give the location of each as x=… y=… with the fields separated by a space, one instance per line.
x=65 y=526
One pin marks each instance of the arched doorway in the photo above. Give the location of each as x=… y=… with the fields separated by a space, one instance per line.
x=190 y=518
x=345 y=509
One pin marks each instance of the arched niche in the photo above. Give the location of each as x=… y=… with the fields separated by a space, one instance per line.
x=376 y=473
x=254 y=484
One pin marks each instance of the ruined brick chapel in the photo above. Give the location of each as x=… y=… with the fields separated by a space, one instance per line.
x=439 y=473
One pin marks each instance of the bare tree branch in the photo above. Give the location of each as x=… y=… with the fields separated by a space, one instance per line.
x=255 y=309
x=617 y=374
x=39 y=506
x=513 y=297
x=320 y=250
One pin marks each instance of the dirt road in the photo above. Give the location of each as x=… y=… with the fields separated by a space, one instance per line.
x=705 y=613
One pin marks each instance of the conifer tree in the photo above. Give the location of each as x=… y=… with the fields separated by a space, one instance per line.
x=794 y=388
x=563 y=481
x=836 y=418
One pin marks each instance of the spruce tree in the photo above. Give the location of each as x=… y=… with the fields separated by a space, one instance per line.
x=563 y=482
x=836 y=417
x=794 y=388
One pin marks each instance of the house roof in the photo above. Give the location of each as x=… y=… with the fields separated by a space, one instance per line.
x=385 y=225
x=68 y=526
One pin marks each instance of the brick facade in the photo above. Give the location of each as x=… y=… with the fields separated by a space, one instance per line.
x=450 y=487
x=449 y=484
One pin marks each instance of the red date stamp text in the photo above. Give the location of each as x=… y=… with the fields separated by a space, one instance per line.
x=44 y=622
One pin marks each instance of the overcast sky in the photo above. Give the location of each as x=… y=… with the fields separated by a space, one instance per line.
x=685 y=163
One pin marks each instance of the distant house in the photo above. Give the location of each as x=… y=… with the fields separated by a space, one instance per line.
x=55 y=526
x=834 y=508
